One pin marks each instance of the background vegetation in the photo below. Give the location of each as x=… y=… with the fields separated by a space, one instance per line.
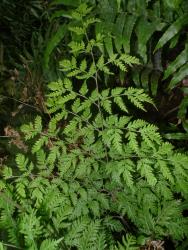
x=94 y=127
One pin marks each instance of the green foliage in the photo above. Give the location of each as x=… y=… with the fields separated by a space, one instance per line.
x=144 y=19
x=151 y=30
x=128 y=244
x=94 y=170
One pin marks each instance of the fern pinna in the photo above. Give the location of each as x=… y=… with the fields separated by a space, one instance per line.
x=94 y=172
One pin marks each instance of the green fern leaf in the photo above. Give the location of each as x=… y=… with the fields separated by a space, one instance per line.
x=20 y=190
x=124 y=120
x=38 y=124
x=100 y=63
x=128 y=244
x=117 y=140
x=119 y=101
x=21 y=162
x=117 y=91
x=130 y=60
x=84 y=89
x=50 y=244
x=149 y=134
x=76 y=46
x=90 y=21
x=78 y=30
x=133 y=143
x=53 y=155
x=63 y=100
x=7 y=172
x=55 y=86
x=165 y=171
x=83 y=65
x=138 y=97
x=146 y=171
x=74 y=72
x=107 y=105
x=39 y=143
x=120 y=64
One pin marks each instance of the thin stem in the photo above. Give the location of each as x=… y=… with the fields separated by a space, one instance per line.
x=7 y=136
x=171 y=111
x=83 y=120
x=16 y=100
x=85 y=97
x=97 y=87
x=10 y=245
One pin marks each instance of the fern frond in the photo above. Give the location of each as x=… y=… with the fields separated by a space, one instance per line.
x=53 y=155
x=133 y=143
x=107 y=105
x=165 y=170
x=78 y=30
x=38 y=124
x=50 y=244
x=31 y=228
x=130 y=60
x=84 y=89
x=39 y=143
x=138 y=97
x=149 y=134
x=119 y=101
x=20 y=190
x=145 y=168
x=76 y=46
x=117 y=140
x=83 y=65
x=21 y=162
x=128 y=243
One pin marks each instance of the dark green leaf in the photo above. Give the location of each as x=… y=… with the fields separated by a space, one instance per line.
x=176 y=136
x=180 y=60
x=73 y=3
x=128 y=29
x=179 y=76
x=53 y=42
x=172 y=31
